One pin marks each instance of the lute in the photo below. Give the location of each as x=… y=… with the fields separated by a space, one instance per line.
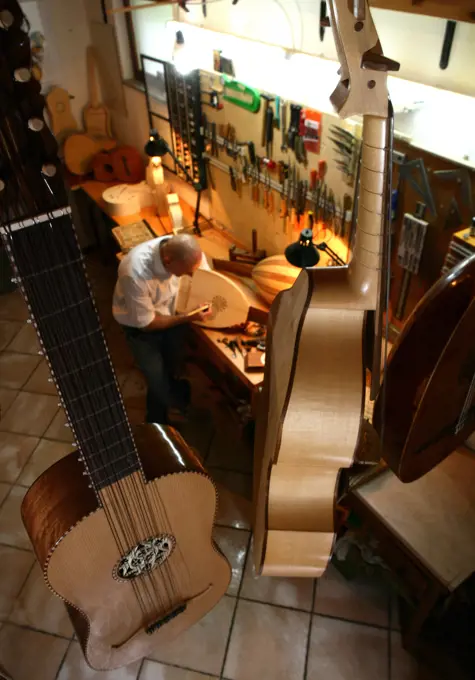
x=122 y=527
x=311 y=410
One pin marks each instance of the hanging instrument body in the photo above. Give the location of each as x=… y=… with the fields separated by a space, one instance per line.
x=311 y=410
x=70 y=529
x=122 y=528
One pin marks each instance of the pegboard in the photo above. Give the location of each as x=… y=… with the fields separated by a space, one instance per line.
x=236 y=210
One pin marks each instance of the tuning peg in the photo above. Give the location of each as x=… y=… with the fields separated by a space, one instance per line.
x=378 y=62
x=6 y=19
x=49 y=170
x=22 y=75
x=36 y=124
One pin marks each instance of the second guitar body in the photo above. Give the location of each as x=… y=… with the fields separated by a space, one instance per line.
x=124 y=604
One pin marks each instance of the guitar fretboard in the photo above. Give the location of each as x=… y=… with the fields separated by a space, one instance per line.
x=52 y=275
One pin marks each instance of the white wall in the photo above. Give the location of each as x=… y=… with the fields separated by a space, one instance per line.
x=413 y=40
x=66 y=30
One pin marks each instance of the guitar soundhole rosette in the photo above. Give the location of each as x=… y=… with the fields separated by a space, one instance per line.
x=218 y=304
x=144 y=557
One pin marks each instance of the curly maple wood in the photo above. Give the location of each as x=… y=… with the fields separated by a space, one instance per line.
x=311 y=409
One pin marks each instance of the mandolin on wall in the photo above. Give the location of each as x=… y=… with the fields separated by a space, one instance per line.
x=122 y=527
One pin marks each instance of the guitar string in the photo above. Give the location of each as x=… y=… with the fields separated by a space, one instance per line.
x=84 y=430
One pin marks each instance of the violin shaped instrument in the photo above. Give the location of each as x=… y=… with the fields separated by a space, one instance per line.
x=122 y=527
x=311 y=411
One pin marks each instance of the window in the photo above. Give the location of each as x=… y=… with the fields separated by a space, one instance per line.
x=147 y=32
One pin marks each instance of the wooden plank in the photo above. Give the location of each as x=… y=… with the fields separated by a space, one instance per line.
x=459 y=10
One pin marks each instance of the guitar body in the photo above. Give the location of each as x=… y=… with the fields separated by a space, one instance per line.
x=229 y=299
x=128 y=165
x=80 y=150
x=62 y=120
x=309 y=422
x=77 y=551
x=430 y=379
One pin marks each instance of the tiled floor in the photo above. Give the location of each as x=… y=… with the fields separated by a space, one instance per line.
x=262 y=629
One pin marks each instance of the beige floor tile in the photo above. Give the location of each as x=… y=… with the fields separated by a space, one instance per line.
x=12 y=531
x=76 y=668
x=15 y=567
x=8 y=330
x=13 y=307
x=347 y=651
x=362 y=599
x=58 y=430
x=234 y=498
x=4 y=489
x=28 y=655
x=233 y=543
x=15 y=450
x=202 y=647
x=15 y=369
x=26 y=341
x=156 y=671
x=39 y=380
x=267 y=643
x=7 y=397
x=30 y=414
x=287 y=592
x=45 y=455
x=37 y=607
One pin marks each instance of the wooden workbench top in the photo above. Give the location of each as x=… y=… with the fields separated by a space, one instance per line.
x=433 y=517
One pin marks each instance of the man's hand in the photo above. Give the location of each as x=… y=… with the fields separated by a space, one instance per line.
x=202 y=316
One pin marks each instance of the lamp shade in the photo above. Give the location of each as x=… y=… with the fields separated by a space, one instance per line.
x=156 y=145
x=303 y=253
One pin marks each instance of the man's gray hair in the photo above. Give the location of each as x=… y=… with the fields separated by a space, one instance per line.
x=185 y=248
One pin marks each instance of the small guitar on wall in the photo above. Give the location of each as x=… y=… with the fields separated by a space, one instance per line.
x=122 y=527
x=80 y=149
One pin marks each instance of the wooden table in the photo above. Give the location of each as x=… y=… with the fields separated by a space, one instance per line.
x=215 y=244
x=424 y=531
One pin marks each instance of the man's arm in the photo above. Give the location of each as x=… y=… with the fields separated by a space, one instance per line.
x=162 y=322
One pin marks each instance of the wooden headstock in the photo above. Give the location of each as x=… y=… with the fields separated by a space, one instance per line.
x=363 y=85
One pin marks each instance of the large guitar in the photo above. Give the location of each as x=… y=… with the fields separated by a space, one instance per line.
x=122 y=527
x=312 y=404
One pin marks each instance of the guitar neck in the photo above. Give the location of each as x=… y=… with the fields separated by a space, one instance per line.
x=52 y=276
x=366 y=264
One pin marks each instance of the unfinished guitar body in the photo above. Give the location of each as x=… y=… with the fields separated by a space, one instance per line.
x=229 y=299
x=112 y=610
x=308 y=428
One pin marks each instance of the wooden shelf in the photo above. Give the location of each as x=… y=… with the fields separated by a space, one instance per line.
x=459 y=10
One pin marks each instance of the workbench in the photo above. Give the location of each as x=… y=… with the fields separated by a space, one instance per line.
x=215 y=244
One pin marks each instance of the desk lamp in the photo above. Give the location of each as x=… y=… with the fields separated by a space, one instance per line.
x=156 y=148
x=304 y=253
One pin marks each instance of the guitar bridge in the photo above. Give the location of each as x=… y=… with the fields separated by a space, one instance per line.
x=165 y=619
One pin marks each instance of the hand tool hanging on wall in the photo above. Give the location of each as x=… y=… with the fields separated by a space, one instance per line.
x=267 y=123
x=407 y=171
x=323 y=19
x=294 y=127
x=311 y=130
x=411 y=245
x=283 y=126
x=237 y=93
x=448 y=44
x=277 y=113
x=462 y=177
x=203 y=7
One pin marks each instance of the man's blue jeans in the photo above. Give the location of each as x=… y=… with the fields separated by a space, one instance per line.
x=157 y=354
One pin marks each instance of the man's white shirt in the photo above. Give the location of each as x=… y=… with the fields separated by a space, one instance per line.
x=144 y=287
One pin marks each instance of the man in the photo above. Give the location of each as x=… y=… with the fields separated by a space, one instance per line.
x=144 y=304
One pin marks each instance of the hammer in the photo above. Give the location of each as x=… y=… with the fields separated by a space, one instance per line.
x=268 y=124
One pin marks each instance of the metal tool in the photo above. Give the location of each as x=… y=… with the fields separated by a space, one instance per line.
x=406 y=173
x=323 y=18
x=283 y=127
x=448 y=44
x=268 y=122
